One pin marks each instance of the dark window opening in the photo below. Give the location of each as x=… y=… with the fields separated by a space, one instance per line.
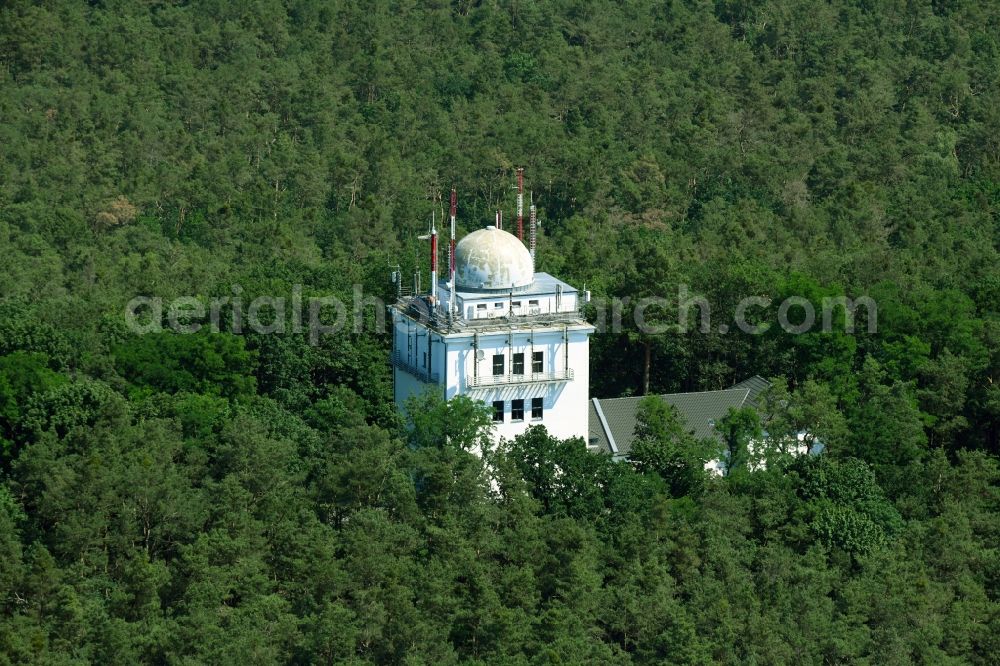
x=536 y=408
x=517 y=410
x=498 y=411
x=536 y=362
x=497 y=364
x=518 y=363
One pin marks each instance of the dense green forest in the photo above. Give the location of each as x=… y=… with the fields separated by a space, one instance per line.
x=223 y=497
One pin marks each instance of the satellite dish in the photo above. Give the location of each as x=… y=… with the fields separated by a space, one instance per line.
x=480 y=354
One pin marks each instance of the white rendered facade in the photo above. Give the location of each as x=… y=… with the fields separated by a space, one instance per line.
x=522 y=350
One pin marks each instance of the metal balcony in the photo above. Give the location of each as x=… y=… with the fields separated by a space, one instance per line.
x=422 y=374
x=485 y=381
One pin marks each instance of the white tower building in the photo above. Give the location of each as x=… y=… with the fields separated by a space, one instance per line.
x=498 y=332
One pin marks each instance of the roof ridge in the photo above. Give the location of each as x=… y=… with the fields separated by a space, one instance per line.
x=637 y=397
x=751 y=379
x=745 y=396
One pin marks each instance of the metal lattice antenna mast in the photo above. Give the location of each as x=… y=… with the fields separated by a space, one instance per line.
x=520 y=204
x=532 y=229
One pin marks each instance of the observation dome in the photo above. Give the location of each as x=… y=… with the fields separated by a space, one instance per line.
x=491 y=258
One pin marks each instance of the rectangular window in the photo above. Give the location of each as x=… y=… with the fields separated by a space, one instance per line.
x=498 y=411
x=498 y=305
x=536 y=362
x=536 y=409
x=518 y=362
x=481 y=306
x=517 y=410
x=515 y=305
x=533 y=303
x=497 y=364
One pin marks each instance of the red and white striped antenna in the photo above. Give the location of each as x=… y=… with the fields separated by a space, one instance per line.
x=433 y=236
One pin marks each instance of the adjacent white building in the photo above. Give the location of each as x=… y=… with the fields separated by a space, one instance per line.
x=498 y=332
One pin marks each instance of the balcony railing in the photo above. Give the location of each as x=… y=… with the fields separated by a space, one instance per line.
x=422 y=374
x=529 y=318
x=483 y=381
x=438 y=317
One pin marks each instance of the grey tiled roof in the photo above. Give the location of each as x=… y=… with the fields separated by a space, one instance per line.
x=700 y=411
x=756 y=385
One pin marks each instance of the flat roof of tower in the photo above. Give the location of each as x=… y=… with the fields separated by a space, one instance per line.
x=543 y=283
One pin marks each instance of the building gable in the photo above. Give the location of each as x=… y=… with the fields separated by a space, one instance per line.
x=700 y=411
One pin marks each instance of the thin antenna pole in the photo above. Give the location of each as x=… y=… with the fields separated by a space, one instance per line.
x=451 y=255
x=520 y=204
x=434 y=259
